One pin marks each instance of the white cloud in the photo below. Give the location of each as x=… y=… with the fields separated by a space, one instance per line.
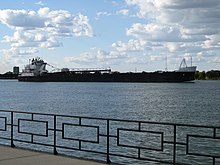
x=101 y=14
x=179 y=27
x=213 y=41
x=178 y=4
x=133 y=60
x=131 y=46
x=42 y=28
x=18 y=52
x=172 y=28
x=216 y=60
x=155 y=32
x=97 y=57
x=81 y=26
x=107 y=14
x=21 y=18
x=40 y=3
x=146 y=7
x=115 y=3
x=123 y=12
x=156 y=58
x=141 y=60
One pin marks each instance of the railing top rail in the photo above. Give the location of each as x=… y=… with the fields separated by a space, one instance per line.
x=119 y=120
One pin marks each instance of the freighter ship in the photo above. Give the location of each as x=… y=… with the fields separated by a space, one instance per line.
x=36 y=71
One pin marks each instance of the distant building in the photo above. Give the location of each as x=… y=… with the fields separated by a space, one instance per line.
x=15 y=70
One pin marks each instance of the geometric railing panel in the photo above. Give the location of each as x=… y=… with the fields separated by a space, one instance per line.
x=33 y=127
x=137 y=139
x=203 y=146
x=3 y=126
x=84 y=133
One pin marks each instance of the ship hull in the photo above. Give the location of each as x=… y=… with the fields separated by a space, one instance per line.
x=144 y=77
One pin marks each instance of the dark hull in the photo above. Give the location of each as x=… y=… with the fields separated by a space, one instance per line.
x=143 y=77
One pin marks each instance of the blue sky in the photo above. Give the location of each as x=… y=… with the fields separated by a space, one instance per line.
x=124 y=35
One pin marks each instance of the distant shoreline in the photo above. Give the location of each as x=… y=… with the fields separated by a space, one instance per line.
x=8 y=76
x=209 y=75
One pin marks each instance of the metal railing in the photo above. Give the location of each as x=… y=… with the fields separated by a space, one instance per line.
x=140 y=141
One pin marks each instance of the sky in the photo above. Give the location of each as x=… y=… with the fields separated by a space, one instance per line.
x=125 y=35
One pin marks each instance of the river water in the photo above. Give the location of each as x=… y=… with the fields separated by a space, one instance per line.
x=194 y=103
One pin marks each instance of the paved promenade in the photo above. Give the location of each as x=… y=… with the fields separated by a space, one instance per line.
x=15 y=156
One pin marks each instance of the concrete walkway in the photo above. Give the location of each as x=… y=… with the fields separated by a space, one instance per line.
x=15 y=156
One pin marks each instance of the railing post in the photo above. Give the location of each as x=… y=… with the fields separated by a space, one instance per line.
x=174 y=145
x=54 y=135
x=214 y=135
x=12 y=129
x=107 y=156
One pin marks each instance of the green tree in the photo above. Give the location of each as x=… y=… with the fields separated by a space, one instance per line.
x=202 y=75
x=209 y=75
x=213 y=75
x=197 y=75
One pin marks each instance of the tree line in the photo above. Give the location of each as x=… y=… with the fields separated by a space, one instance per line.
x=209 y=75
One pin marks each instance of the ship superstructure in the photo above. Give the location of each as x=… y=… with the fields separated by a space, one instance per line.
x=184 y=68
x=36 y=67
